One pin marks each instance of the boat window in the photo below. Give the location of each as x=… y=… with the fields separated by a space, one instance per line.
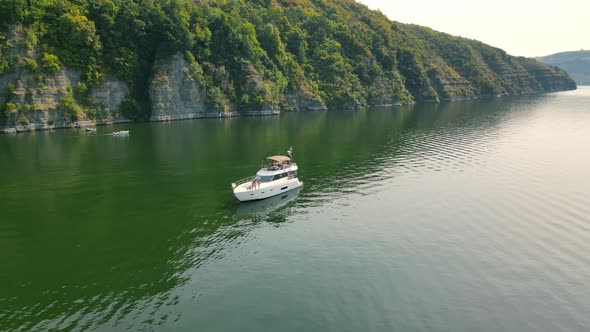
x=265 y=178
x=280 y=176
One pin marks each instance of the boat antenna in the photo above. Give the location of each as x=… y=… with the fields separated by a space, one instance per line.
x=290 y=152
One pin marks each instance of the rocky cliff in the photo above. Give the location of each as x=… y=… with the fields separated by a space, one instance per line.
x=98 y=61
x=36 y=99
x=174 y=93
x=177 y=92
x=37 y=103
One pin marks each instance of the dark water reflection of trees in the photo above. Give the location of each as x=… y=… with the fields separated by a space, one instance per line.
x=97 y=230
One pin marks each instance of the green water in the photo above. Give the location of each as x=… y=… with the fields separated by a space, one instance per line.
x=465 y=216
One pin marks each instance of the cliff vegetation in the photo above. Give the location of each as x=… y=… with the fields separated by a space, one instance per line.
x=109 y=59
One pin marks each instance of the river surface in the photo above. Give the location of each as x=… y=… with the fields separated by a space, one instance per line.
x=464 y=216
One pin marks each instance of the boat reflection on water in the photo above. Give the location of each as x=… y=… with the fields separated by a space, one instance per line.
x=266 y=206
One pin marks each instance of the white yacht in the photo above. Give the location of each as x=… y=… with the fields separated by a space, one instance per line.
x=277 y=175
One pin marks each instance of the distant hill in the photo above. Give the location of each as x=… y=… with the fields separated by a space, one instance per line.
x=576 y=63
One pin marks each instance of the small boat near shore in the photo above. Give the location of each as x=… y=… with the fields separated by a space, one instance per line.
x=121 y=133
x=90 y=129
x=277 y=175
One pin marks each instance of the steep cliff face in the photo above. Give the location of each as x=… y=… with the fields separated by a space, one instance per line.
x=36 y=99
x=46 y=102
x=174 y=93
x=108 y=97
x=302 y=100
x=186 y=59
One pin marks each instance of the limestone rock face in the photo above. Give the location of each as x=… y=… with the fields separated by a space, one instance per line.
x=109 y=95
x=45 y=94
x=32 y=95
x=302 y=101
x=37 y=98
x=174 y=94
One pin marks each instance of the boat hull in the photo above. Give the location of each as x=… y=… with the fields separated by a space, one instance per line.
x=266 y=191
x=263 y=207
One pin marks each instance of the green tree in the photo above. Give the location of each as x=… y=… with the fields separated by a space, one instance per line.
x=77 y=43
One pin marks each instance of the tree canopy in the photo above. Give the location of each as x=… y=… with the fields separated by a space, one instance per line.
x=249 y=54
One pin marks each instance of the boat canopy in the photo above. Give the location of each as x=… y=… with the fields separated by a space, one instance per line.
x=280 y=159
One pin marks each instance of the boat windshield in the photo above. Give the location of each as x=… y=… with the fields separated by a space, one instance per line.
x=264 y=178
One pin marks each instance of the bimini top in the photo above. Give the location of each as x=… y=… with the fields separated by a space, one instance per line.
x=280 y=159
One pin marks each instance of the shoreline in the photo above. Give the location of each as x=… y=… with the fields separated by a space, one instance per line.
x=191 y=116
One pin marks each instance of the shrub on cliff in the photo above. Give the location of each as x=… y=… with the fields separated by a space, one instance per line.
x=50 y=63
x=10 y=108
x=71 y=111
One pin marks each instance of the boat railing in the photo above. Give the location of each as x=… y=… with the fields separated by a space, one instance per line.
x=242 y=181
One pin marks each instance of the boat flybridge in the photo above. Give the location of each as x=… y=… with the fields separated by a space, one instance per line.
x=277 y=175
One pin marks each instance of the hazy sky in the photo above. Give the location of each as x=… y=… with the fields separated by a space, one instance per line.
x=520 y=27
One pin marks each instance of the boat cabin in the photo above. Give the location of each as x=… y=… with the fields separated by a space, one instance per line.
x=275 y=168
